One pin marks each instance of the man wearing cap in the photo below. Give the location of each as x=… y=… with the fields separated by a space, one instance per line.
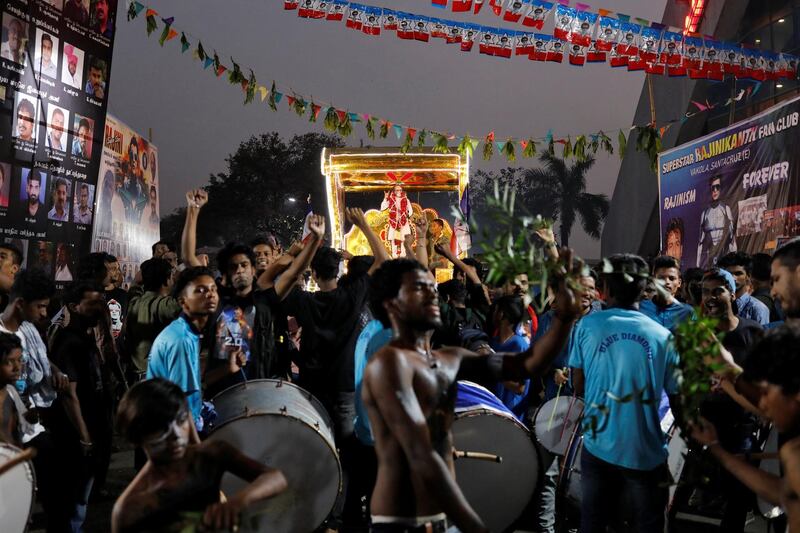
x=70 y=74
x=736 y=426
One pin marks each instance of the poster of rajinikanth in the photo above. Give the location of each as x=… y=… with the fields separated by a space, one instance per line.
x=127 y=221
x=737 y=189
x=55 y=63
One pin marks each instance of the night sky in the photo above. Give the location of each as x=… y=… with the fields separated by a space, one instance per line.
x=197 y=120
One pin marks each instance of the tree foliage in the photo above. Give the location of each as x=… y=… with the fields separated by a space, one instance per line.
x=555 y=191
x=252 y=197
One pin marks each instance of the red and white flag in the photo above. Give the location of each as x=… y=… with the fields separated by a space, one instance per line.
x=405 y=28
x=290 y=4
x=514 y=11
x=389 y=21
x=468 y=37
x=438 y=30
x=372 y=24
x=355 y=19
x=460 y=6
x=454 y=34
x=497 y=6
x=523 y=44
x=537 y=13
x=336 y=11
x=422 y=30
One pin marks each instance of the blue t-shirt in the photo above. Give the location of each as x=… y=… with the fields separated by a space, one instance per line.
x=175 y=356
x=669 y=316
x=516 y=403
x=749 y=307
x=372 y=338
x=622 y=353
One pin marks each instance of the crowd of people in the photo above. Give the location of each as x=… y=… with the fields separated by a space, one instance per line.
x=382 y=347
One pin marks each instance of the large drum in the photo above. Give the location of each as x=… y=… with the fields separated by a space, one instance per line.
x=555 y=421
x=285 y=427
x=498 y=491
x=17 y=488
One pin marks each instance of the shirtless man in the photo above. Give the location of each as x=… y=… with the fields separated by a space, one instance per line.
x=180 y=483
x=409 y=392
x=773 y=366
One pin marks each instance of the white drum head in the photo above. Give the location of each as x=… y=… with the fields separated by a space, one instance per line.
x=305 y=458
x=17 y=488
x=498 y=492
x=555 y=421
x=282 y=426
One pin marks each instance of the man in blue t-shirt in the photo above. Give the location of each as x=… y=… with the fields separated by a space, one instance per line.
x=621 y=360
x=664 y=308
x=175 y=354
x=508 y=314
x=740 y=265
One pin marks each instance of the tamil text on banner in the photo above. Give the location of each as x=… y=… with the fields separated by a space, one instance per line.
x=55 y=62
x=737 y=189
x=127 y=222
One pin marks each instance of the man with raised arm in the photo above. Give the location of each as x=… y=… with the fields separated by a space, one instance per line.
x=409 y=391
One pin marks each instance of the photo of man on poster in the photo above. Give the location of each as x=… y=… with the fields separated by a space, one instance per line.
x=31 y=194
x=59 y=195
x=717 y=235
x=16 y=38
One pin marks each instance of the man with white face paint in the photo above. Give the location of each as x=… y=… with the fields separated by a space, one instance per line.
x=182 y=477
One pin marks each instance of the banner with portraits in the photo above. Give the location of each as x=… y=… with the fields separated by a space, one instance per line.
x=55 y=62
x=737 y=189
x=127 y=210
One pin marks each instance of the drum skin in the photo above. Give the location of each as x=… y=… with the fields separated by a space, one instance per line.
x=555 y=421
x=499 y=492
x=17 y=488
x=282 y=426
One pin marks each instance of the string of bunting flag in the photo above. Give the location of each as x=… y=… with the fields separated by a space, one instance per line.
x=340 y=121
x=579 y=35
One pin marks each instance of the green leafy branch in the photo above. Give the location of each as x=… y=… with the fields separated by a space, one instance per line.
x=699 y=348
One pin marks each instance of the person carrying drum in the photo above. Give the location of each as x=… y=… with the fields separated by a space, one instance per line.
x=620 y=362
x=180 y=483
x=409 y=392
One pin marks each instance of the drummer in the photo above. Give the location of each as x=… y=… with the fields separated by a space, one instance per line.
x=409 y=392
x=180 y=483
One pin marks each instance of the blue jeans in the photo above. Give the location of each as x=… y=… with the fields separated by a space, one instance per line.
x=604 y=488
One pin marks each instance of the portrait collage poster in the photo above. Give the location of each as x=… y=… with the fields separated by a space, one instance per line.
x=737 y=189
x=127 y=220
x=55 y=63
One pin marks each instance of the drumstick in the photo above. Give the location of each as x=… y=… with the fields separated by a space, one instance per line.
x=458 y=454
x=569 y=410
x=553 y=414
x=28 y=454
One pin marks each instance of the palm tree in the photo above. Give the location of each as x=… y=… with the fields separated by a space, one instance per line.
x=560 y=193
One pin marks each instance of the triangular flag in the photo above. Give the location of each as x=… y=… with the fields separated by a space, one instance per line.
x=290 y=100
x=524 y=145
x=398 y=130
x=700 y=106
x=264 y=92
x=490 y=137
x=172 y=34
x=315 y=109
x=366 y=117
x=341 y=115
x=184 y=43
x=277 y=96
x=643 y=22
x=581 y=7
x=411 y=132
x=208 y=62
x=139 y=7
x=168 y=21
x=623 y=17
x=221 y=69
x=499 y=145
x=150 y=12
x=474 y=143
x=354 y=117
x=604 y=12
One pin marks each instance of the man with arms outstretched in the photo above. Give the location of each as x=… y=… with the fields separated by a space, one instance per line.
x=410 y=391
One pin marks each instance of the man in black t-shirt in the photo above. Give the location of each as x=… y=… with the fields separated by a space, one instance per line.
x=81 y=415
x=736 y=427
x=329 y=318
x=247 y=340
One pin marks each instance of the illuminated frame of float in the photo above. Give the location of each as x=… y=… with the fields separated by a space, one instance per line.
x=378 y=169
